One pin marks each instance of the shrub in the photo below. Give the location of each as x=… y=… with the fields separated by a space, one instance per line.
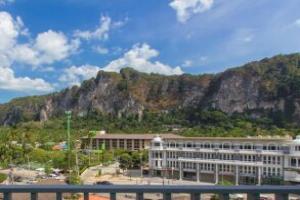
x=3 y=177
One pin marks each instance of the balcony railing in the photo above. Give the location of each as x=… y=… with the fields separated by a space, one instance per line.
x=253 y=192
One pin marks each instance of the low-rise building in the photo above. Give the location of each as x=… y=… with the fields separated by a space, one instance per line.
x=252 y=160
x=130 y=142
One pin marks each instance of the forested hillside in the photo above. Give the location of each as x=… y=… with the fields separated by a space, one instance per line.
x=259 y=98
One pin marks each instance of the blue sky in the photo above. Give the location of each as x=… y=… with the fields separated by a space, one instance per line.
x=52 y=44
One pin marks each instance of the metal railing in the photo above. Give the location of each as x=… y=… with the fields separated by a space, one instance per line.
x=223 y=192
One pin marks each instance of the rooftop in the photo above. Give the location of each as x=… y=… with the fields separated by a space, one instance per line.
x=145 y=136
x=256 y=138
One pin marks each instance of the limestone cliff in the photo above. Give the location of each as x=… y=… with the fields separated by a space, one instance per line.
x=262 y=88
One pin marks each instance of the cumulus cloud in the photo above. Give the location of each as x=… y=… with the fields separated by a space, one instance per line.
x=54 y=46
x=9 y=30
x=8 y=81
x=46 y=48
x=75 y=75
x=100 y=33
x=186 y=8
x=139 y=57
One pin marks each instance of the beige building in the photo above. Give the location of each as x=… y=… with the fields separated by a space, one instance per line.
x=131 y=142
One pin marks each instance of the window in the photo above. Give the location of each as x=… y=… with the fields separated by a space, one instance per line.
x=264 y=159
x=272 y=147
x=121 y=144
x=207 y=145
x=248 y=146
x=265 y=147
x=278 y=172
x=156 y=144
x=269 y=159
x=273 y=171
x=114 y=143
x=172 y=144
x=226 y=146
x=273 y=160
x=129 y=144
x=136 y=144
x=107 y=144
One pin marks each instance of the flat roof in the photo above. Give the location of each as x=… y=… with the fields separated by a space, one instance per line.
x=277 y=139
x=171 y=136
x=145 y=136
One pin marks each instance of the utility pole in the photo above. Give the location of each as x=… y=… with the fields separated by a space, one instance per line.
x=69 y=114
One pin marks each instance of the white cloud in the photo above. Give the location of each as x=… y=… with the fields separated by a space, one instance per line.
x=101 y=50
x=8 y=81
x=138 y=57
x=75 y=75
x=186 y=8
x=34 y=52
x=118 y=24
x=9 y=31
x=54 y=46
x=100 y=33
x=46 y=48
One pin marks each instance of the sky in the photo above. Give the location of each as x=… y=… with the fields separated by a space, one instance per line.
x=49 y=45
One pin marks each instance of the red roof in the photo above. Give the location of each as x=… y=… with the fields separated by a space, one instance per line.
x=95 y=197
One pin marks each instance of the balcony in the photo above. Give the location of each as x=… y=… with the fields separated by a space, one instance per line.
x=221 y=162
x=253 y=192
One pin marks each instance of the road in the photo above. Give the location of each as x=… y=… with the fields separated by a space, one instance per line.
x=89 y=176
x=20 y=172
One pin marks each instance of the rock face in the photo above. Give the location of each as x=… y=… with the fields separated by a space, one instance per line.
x=258 y=89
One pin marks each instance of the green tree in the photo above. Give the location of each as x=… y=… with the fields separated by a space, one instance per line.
x=125 y=161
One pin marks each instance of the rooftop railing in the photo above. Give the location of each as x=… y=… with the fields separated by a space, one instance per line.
x=223 y=192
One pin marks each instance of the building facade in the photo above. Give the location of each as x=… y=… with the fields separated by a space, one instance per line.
x=238 y=160
x=130 y=142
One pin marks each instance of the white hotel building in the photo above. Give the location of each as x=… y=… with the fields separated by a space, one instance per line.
x=238 y=160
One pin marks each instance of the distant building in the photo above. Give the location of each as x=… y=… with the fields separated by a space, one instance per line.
x=251 y=160
x=131 y=142
x=60 y=146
